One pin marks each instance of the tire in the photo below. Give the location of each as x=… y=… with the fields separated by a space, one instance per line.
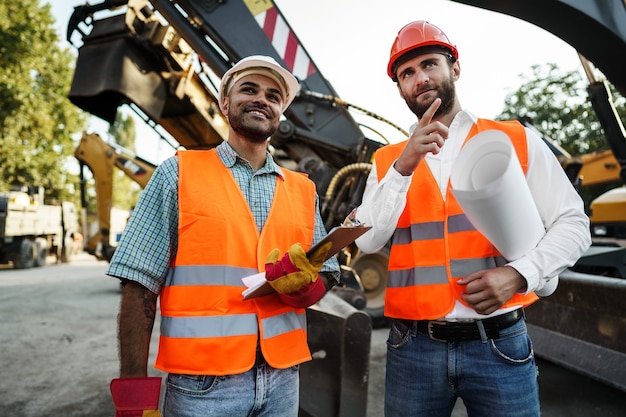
x=26 y=257
x=67 y=250
x=371 y=268
x=41 y=253
x=65 y=255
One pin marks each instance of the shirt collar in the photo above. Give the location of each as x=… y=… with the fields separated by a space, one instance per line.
x=230 y=157
x=460 y=118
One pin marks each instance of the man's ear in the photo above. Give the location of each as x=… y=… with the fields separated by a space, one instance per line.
x=224 y=105
x=456 y=70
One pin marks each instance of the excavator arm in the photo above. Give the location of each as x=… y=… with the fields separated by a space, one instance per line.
x=101 y=158
x=595 y=28
x=165 y=57
x=134 y=58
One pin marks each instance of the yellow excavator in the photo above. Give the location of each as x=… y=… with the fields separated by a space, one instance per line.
x=102 y=158
x=608 y=211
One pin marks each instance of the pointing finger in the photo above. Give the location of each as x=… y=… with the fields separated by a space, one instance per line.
x=428 y=114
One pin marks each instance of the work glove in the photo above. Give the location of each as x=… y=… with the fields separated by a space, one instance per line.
x=296 y=277
x=136 y=397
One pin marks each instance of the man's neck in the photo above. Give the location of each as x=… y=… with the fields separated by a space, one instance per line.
x=253 y=152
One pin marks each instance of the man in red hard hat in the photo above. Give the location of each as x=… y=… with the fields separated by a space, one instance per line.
x=207 y=219
x=458 y=328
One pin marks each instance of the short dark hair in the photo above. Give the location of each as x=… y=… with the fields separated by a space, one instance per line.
x=430 y=49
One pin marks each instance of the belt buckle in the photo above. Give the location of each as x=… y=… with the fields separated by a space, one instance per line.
x=430 y=332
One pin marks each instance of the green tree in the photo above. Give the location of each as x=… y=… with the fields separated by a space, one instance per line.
x=557 y=105
x=37 y=120
x=123 y=130
x=125 y=190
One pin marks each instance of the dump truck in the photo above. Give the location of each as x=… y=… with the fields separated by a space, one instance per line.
x=30 y=230
x=164 y=58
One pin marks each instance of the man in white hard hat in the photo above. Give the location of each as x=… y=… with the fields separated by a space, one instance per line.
x=207 y=219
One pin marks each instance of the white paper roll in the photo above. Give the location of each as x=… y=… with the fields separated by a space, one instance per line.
x=488 y=182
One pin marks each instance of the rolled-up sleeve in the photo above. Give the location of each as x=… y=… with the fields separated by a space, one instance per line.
x=150 y=239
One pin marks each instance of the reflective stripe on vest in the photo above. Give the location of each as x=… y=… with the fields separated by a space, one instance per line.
x=206 y=327
x=435 y=244
x=233 y=325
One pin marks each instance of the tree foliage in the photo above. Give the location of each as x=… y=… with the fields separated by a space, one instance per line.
x=37 y=120
x=558 y=106
x=125 y=190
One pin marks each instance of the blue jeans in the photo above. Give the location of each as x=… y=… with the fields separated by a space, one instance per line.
x=495 y=378
x=262 y=391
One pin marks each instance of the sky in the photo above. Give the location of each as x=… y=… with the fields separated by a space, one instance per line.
x=349 y=41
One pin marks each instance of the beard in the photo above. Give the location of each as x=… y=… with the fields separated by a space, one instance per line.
x=446 y=92
x=250 y=127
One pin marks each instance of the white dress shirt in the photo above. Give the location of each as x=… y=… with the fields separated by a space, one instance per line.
x=560 y=207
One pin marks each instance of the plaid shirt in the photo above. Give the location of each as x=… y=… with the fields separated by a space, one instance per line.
x=150 y=240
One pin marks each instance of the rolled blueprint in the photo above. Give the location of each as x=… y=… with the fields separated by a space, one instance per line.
x=488 y=182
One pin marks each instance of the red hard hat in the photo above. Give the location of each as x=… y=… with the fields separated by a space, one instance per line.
x=416 y=35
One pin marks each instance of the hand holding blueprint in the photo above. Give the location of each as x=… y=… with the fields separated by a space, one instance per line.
x=489 y=184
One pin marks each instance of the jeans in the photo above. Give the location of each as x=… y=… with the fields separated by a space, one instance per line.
x=261 y=391
x=495 y=378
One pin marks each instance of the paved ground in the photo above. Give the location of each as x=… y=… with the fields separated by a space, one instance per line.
x=58 y=351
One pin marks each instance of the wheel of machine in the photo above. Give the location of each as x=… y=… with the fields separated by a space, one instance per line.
x=26 y=257
x=67 y=249
x=41 y=253
x=371 y=269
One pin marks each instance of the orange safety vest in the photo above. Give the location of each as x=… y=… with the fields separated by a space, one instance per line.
x=434 y=243
x=206 y=326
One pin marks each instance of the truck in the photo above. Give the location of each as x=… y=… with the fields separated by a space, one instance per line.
x=30 y=230
x=163 y=58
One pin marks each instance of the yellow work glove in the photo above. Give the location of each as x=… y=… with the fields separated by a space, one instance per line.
x=295 y=277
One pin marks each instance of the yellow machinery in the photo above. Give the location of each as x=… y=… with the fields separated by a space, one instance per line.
x=101 y=158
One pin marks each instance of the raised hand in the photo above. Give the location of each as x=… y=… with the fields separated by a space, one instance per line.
x=428 y=136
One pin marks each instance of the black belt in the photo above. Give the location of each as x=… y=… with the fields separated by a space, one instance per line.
x=457 y=331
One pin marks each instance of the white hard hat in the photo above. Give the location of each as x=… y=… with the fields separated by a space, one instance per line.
x=263 y=65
